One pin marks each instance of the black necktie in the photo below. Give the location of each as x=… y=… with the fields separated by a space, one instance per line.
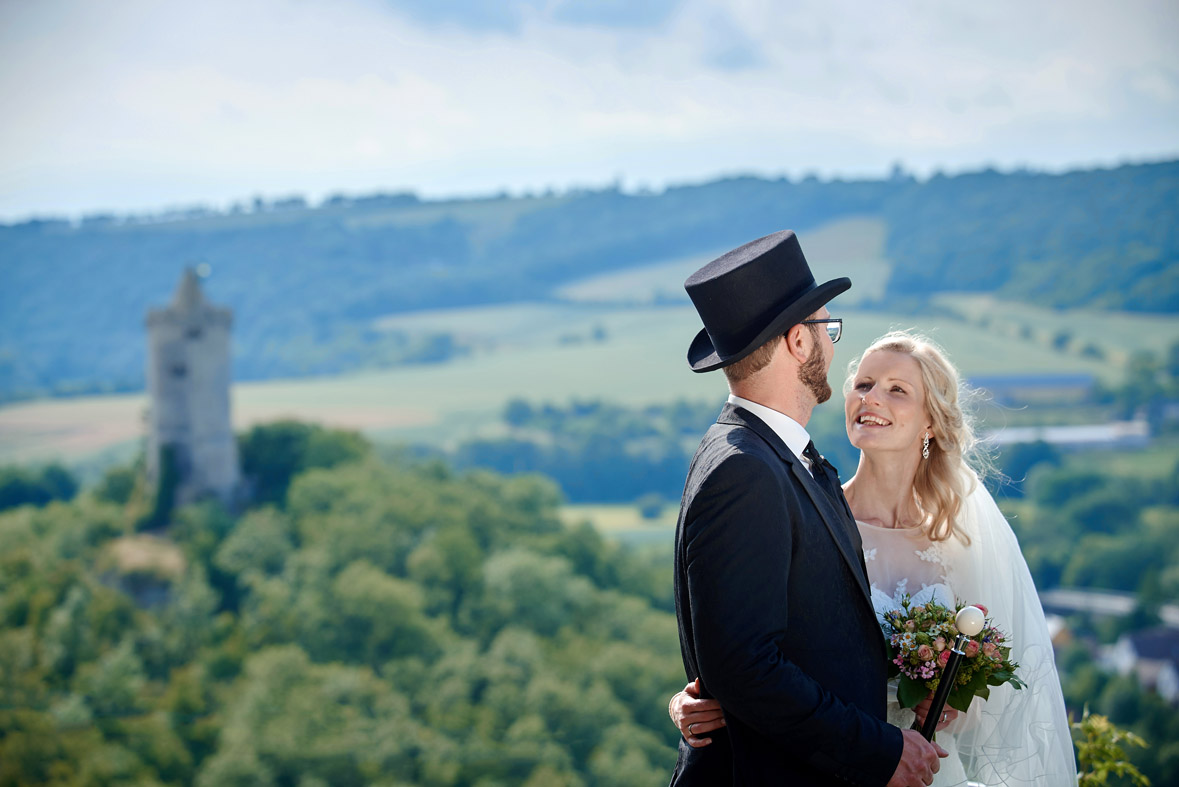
x=824 y=474
x=828 y=479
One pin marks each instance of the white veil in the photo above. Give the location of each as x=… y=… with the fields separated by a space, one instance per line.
x=1016 y=737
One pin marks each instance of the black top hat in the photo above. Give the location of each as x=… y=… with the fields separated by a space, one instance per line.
x=749 y=295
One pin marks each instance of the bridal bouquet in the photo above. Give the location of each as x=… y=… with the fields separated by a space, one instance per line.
x=920 y=639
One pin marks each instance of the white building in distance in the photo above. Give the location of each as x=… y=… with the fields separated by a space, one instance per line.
x=190 y=434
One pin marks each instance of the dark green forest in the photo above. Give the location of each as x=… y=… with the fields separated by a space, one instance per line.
x=73 y=294
x=377 y=623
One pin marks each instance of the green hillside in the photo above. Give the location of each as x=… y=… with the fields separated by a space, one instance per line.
x=1104 y=239
x=308 y=284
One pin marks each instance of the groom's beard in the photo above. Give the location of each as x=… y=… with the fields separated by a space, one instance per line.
x=814 y=376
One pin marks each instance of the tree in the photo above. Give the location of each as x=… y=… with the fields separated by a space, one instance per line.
x=273 y=454
x=1016 y=461
x=534 y=590
x=290 y=719
x=650 y=505
x=1055 y=488
x=517 y=413
x=260 y=542
x=117 y=485
x=20 y=486
x=1100 y=751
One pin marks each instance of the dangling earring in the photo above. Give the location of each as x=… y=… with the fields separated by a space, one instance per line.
x=925 y=447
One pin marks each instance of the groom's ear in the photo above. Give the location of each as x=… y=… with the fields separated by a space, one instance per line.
x=796 y=344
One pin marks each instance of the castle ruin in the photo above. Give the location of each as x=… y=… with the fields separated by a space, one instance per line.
x=190 y=443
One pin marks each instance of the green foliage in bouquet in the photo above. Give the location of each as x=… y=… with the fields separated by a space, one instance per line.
x=920 y=639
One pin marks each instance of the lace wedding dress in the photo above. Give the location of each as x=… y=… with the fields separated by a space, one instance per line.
x=903 y=561
x=1015 y=737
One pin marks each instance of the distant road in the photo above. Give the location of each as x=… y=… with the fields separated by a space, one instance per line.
x=1110 y=603
x=1116 y=433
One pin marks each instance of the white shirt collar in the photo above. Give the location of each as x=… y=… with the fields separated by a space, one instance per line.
x=792 y=432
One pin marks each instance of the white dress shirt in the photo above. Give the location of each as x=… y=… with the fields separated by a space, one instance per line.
x=792 y=432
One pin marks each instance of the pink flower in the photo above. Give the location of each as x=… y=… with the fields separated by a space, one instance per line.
x=925 y=653
x=910 y=625
x=939 y=644
x=943 y=657
x=971 y=649
x=990 y=649
x=980 y=606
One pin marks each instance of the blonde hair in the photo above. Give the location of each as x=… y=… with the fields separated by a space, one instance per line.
x=943 y=480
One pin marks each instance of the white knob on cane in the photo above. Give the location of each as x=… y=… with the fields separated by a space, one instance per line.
x=969 y=620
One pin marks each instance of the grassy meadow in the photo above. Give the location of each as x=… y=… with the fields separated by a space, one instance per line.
x=541 y=352
x=1116 y=334
x=624 y=523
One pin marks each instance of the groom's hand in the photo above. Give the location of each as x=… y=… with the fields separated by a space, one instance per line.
x=695 y=717
x=919 y=761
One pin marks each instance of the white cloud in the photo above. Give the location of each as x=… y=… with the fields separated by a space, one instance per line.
x=140 y=104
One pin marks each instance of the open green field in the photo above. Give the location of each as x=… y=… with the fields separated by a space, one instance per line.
x=1157 y=461
x=851 y=247
x=624 y=523
x=1116 y=334
x=540 y=352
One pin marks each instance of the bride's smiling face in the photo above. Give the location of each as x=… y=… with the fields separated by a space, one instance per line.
x=885 y=408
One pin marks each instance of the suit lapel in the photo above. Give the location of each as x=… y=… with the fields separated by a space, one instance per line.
x=837 y=521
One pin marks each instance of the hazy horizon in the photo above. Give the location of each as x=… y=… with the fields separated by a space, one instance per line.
x=244 y=202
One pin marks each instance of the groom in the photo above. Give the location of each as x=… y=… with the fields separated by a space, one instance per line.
x=774 y=608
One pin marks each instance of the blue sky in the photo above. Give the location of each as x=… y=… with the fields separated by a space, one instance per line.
x=138 y=105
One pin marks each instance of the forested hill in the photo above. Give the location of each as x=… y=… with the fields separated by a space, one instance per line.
x=1106 y=239
x=373 y=624
x=307 y=281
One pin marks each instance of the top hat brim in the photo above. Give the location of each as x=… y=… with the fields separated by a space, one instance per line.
x=703 y=356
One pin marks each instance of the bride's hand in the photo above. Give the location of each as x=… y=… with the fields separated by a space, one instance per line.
x=922 y=710
x=693 y=716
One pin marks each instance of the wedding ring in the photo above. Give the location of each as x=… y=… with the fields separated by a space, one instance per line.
x=690 y=726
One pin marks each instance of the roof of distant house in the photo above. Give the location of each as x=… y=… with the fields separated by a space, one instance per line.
x=1160 y=644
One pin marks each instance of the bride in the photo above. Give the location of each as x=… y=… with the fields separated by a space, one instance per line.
x=931 y=530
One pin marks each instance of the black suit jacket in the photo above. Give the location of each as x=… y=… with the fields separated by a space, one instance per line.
x=775 y=617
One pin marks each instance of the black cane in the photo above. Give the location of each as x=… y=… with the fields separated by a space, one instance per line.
x=969 y=621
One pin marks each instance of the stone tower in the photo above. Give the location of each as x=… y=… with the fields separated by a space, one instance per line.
x=190 y=437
